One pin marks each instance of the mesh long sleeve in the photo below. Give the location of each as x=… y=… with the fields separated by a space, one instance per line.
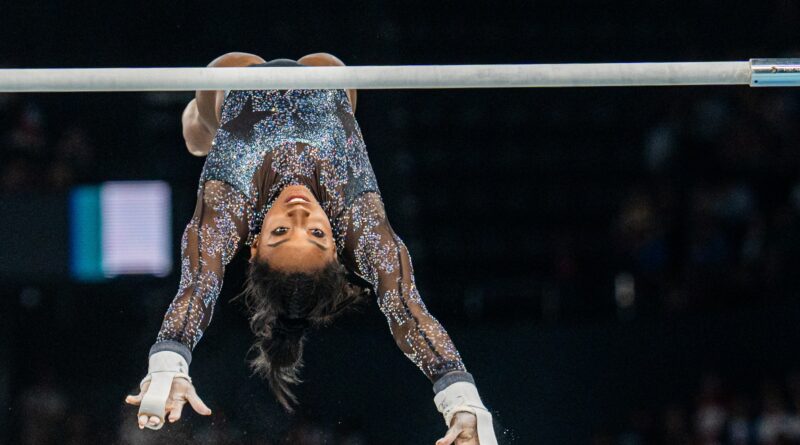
x=380 y=256
x=209 y=242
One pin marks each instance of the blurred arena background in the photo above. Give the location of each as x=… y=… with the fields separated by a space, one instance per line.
x=616 y=266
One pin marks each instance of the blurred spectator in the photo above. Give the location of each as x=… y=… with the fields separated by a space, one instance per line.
x=711 y=413
x=44 y=410
x=723 y=414
x=28 y=133
x=30 y=162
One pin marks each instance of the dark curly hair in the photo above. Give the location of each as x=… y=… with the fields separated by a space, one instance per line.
x=283 y=307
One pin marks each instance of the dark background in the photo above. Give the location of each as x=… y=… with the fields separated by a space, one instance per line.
x=528 y=212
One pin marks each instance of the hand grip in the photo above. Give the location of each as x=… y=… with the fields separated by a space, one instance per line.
x=485 y=427
x=155 y=399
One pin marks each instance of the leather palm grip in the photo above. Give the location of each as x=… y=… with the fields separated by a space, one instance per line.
x=164 y=367
x=463 y=397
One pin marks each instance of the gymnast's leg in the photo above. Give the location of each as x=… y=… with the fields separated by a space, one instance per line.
x=201 y=117
x=325 y=59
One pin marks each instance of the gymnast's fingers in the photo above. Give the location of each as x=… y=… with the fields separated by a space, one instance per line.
x=134 y=400
x=451 y=435
x=175 y=410
x=197 y=404
x=467 y=438
x=153 y=421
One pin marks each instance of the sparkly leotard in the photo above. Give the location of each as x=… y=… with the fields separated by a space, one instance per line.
x=269 y=139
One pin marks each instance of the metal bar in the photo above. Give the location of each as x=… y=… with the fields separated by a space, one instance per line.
x=775 y=73
x=376 y=77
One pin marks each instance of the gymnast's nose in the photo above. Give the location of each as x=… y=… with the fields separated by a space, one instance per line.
x=298 y=214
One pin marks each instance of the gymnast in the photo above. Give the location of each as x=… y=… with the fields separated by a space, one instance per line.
x=287 y=174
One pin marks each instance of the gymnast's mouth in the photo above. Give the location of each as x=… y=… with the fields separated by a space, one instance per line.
x=297 y=199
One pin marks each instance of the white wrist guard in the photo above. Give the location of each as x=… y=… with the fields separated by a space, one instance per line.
x=463 y=396
x=164 y=366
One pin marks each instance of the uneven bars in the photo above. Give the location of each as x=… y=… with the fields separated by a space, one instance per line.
x=757 y=72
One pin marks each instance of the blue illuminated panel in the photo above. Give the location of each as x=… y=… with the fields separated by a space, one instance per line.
x=120 y=228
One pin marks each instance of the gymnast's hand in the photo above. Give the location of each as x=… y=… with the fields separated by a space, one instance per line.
x=182 y=391
x=463 y=430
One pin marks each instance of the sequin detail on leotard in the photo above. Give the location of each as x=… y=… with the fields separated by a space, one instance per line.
x=266 y=141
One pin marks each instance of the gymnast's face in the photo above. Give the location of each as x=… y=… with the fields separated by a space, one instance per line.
x=296 y=234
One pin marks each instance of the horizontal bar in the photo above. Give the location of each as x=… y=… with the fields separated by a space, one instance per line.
x=376 y=77
x=775 y=72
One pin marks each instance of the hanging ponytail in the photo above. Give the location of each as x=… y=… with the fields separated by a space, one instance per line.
x=283 y=307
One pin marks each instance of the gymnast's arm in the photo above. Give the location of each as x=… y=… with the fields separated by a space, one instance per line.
x=201 y=117
x=380 y=256
x=209 y=242
x=211 y=239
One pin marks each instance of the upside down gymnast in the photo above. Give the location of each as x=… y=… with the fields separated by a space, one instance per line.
x=287 y=173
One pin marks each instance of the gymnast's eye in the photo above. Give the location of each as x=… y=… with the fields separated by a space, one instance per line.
x=280 y=231
x=318 y=233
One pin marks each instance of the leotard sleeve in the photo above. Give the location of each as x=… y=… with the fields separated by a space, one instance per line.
x=377 y=254
x=211 y=239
